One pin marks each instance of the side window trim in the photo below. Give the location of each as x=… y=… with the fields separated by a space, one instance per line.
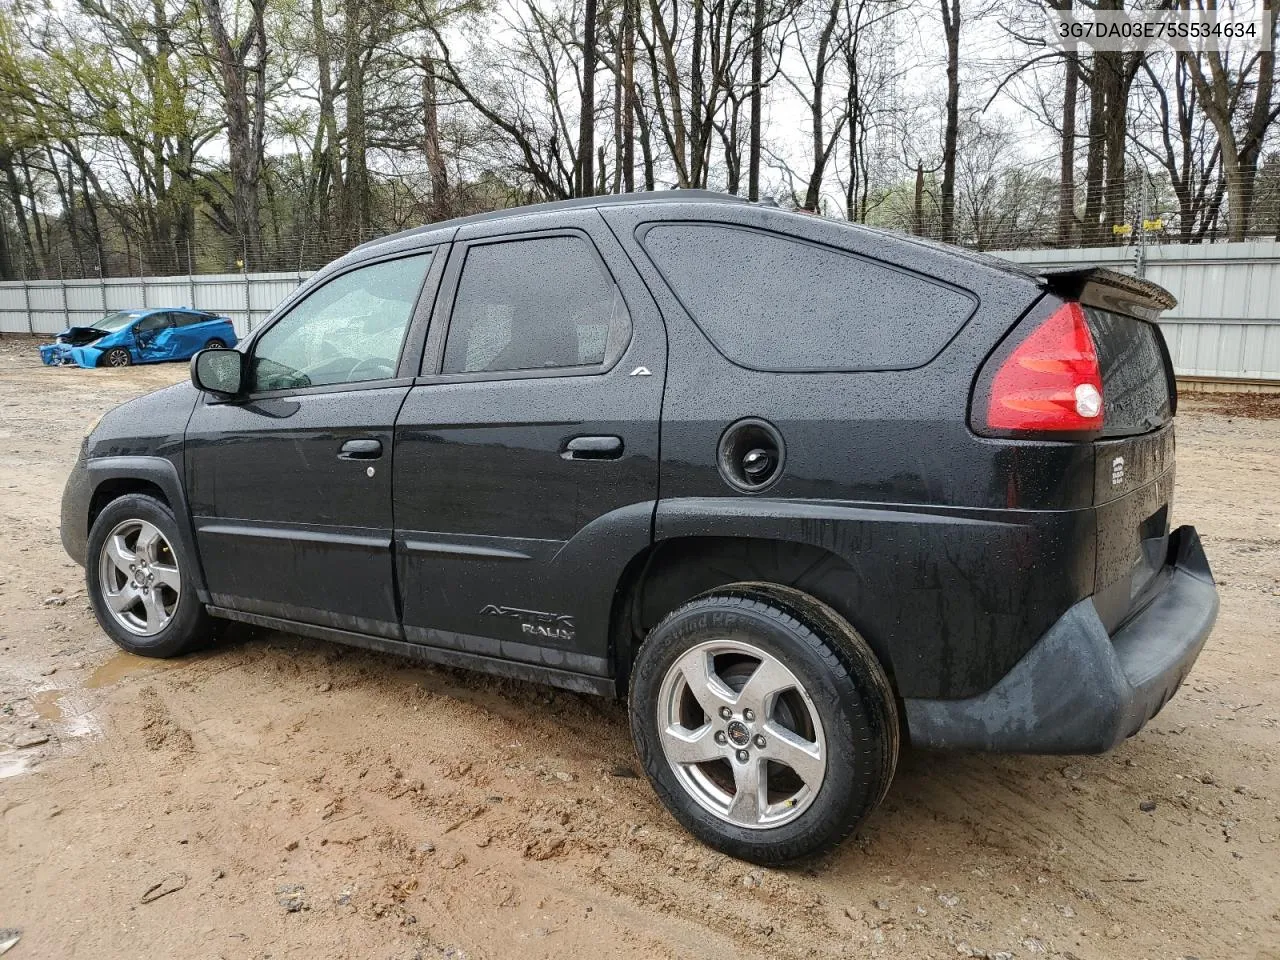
x=432 y=365
x=414 y=335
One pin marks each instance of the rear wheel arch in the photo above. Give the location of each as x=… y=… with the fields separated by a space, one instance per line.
x=671 y=572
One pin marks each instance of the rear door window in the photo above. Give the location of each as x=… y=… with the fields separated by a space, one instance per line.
x=543 y=303
x=775 y=303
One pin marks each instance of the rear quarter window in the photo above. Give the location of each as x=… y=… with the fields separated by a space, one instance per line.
x=775 y=303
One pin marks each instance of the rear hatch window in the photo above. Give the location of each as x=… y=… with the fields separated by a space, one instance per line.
x=1137 y=377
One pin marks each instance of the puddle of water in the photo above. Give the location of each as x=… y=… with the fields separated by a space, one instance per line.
x=123 y=665
x=48 y=704
x=69 y=711
x=14 y=766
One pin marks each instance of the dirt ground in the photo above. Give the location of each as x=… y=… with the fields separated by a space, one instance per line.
x=281 y=797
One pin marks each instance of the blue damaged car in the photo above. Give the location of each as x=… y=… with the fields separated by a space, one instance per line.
x=139 y=336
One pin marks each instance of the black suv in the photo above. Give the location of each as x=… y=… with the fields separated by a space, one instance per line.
x=793 y=487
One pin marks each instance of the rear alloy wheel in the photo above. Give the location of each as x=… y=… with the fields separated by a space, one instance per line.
x=764 y=721
x=744 y=739
x=139 y=580
x=215 y=344
x=117 y=357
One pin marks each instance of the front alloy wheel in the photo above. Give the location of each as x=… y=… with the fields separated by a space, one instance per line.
x=140 y=579
x=117 y=357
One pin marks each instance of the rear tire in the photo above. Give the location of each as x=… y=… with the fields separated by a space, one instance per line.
x=215 y=344
x=139 y=580
x=117 y=357
x=764 y=722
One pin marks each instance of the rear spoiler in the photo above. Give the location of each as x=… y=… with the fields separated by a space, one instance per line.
x=1108 y=290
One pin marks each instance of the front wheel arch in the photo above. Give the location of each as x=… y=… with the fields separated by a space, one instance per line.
x=112 y=477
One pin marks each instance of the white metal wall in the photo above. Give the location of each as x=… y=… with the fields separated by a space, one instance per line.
x=47 y=306
x=1227 y=322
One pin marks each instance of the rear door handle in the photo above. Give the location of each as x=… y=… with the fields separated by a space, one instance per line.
x=593 y=448
x=360 y=450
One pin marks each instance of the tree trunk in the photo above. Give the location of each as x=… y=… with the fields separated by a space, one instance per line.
x=356 y=200
x=1095 y=165
x=328 y=158
x=431 y=141
x=616 y=186
x=1115 y=98
x=245 y=109
x=1067 y=166
x=19 y=211
x=37 y=221
x=757 y=101
x=817 y=113
x=919 y=201
x=951 y=27
x=587 y=123
x=628 y=96
x=6 y=258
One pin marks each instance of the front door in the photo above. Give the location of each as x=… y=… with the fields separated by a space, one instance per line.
x=290 y=487
x=152 y=335
x=527 y=456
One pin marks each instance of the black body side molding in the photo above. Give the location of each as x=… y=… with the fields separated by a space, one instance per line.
x=510 y=669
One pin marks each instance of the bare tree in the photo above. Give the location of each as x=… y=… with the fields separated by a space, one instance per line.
x=821 y=31
x=1172 y=131
x=241 y=63
x=1238 y=102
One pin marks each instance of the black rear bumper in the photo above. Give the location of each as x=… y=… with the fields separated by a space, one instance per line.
x=1079 y=690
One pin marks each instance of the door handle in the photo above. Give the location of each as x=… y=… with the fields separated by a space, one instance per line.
x=360 y=450
x=593 y=448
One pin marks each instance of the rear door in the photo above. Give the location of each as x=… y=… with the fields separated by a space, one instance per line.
x=290 y=486
x=526 y=468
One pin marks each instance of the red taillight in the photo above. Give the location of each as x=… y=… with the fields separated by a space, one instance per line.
x=1051 y=381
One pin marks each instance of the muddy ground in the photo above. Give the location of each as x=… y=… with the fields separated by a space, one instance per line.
x=281 y=797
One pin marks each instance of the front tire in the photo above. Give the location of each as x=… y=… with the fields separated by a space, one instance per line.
x=139 y=581
x=117 y=357
x=764 y=722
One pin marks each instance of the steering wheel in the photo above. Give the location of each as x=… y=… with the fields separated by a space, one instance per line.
x=372 y=368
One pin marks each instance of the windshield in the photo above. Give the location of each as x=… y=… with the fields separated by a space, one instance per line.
x=116 y=321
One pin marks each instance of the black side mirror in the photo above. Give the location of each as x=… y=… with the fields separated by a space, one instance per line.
x=218 y=371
